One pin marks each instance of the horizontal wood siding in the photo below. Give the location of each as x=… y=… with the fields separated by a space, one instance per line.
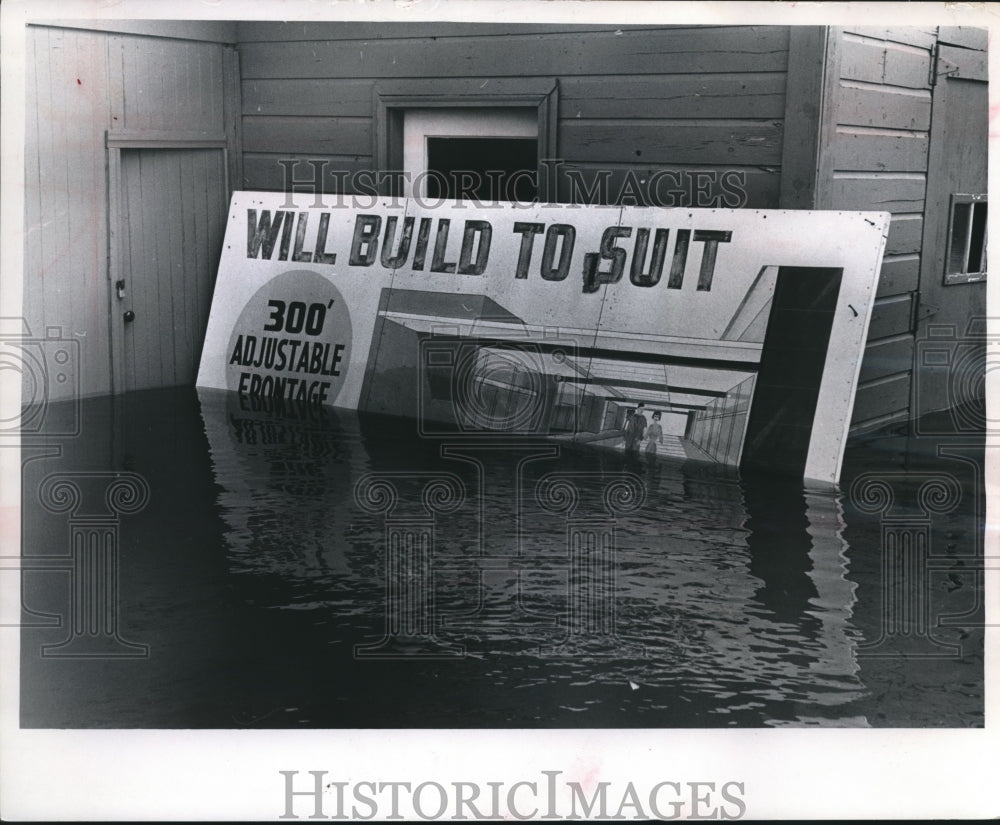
x=704 y=104
x=882 y=110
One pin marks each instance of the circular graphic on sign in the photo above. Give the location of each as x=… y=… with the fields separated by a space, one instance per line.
x=292 y=341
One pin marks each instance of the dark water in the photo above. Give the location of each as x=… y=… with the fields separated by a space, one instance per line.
x=258 y=578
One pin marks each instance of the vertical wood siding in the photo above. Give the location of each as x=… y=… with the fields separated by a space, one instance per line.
x=79 y=84
x=882 y=111
x=633 y=101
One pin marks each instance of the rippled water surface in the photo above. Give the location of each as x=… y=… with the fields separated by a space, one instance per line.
x=331 y=570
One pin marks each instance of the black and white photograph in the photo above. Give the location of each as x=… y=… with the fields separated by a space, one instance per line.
x=448 y=410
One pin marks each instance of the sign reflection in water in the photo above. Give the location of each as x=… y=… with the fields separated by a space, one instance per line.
x=701 y=599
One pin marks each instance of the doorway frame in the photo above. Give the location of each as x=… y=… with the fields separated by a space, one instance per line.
x=229 y=139
x=116 y=142
x=392 y=98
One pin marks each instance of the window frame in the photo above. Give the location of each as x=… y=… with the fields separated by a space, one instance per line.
x=392 y=98
x=964 y=276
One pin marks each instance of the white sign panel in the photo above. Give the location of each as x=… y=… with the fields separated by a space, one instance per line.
x=720 y=335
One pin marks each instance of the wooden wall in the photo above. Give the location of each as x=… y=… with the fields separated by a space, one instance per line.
x=632 y=99
x=725 y=111
x=878 y=132
x=81 y=83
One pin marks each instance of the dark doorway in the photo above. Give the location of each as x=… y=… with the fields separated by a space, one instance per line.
x=487 y=168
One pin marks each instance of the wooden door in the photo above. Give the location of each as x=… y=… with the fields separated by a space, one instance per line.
x=172 y=220
x=953 y=266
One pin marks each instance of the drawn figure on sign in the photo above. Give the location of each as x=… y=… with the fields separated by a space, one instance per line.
x=635 y=428
x=654 y=435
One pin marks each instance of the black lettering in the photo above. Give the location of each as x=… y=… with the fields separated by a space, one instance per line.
x=300 y=238
x=527 y=232
x=420 y=250
x=390 y=261
x=651 y=278
x=592 y=275
x=568 y=235
x=267 y=355
x=334 y=369
x=276 y=318
x=485 y=232
x=286 y=236
x=438 y=263
x=302 y=365
x=249 y=350
x=316 y=362
x=315 y=318
x=711 y=238
x=279 y=363
x=237 y=356
x=321 y=256
x=679 y=262
x=262 y=234
x=366 y=229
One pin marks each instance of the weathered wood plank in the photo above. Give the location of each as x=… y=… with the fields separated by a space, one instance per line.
x=890 y=316
x=339 y=174
x=888 y=357
x=923 y=38
x=884 y=108
x=169 y=82
x=813 y=52
x=905 y=234
x=264 y=31
x=323 y=135
x=881 y=398
x=667 y=51
x=681 y=142
x=70 y=275
x=881 y=194
x=872 y=62
x=669 y=185
x=868 y=152
x=317 y=97
x=898 y=275
x=968 y=37
x=966 y=64
x=213 y=31
x=752 y=95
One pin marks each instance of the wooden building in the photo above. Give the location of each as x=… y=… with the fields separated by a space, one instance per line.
x=136 y=135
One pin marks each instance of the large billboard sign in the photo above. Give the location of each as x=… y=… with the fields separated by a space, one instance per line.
x=732 y=336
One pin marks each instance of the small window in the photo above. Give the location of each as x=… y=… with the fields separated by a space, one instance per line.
x=481 y=153
x=966 y=250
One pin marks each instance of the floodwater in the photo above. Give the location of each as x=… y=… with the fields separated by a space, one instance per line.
x=329 y=570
